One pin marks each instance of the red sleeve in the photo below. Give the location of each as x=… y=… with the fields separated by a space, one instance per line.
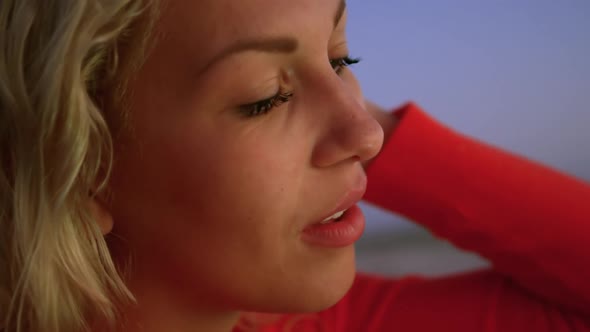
x=531 y=222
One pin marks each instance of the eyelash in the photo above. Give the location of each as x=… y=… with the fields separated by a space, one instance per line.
x=264 y=106
x=340 y=63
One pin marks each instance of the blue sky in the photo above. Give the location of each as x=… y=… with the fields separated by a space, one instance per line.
x=515 y=73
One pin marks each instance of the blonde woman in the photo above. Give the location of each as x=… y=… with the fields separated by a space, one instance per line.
x=181 y=165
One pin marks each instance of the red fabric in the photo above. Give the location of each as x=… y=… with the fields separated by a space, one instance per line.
x=530 y=222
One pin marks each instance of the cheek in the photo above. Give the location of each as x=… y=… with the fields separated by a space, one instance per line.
x=224 y=211
x=251 y=180
x=233 y=199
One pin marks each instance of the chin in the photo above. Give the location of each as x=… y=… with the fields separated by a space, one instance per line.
x=320 y=290
x=328 y=296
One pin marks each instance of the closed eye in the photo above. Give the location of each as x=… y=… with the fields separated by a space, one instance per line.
x=266 y=105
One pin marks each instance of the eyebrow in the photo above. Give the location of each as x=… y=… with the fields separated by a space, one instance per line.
x=269 y=45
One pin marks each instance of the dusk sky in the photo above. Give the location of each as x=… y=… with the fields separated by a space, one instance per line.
x=515 y=73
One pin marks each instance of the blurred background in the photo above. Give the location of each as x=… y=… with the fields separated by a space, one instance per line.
x=514 y=73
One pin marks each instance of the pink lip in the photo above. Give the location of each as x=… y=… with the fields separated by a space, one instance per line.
x=340 y=234
x=351 y=197
x=348 y=229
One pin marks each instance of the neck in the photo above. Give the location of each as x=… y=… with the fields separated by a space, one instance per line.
x=166 y=305
x=159 y=310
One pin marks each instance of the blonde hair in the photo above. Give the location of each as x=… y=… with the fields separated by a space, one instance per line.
x=61 y=68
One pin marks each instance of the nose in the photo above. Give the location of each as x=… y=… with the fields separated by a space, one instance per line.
x=348 y=131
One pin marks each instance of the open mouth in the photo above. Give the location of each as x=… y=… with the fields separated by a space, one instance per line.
x=341 y=229
x=333 y=218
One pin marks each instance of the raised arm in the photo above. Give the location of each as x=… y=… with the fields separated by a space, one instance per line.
x=531 y=222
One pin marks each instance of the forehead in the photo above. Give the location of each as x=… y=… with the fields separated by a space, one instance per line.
x=203 y=27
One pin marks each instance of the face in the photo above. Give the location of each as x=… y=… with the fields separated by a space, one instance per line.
x=247 y=128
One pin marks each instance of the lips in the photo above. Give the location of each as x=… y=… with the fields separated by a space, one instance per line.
x=352 y=196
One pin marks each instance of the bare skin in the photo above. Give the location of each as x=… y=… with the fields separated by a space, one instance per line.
x=209 y=199
x=386 y=120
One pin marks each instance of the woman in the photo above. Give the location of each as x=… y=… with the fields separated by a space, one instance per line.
x=171 y=165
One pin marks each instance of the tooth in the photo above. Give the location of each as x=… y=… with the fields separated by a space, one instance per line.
x=332 y=217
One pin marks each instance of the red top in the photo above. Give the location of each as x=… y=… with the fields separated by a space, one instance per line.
x=532 y=223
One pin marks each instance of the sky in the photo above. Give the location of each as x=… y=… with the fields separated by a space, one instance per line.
x=514 y=73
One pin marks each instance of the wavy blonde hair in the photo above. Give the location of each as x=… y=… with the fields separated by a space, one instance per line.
x=63 y=68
